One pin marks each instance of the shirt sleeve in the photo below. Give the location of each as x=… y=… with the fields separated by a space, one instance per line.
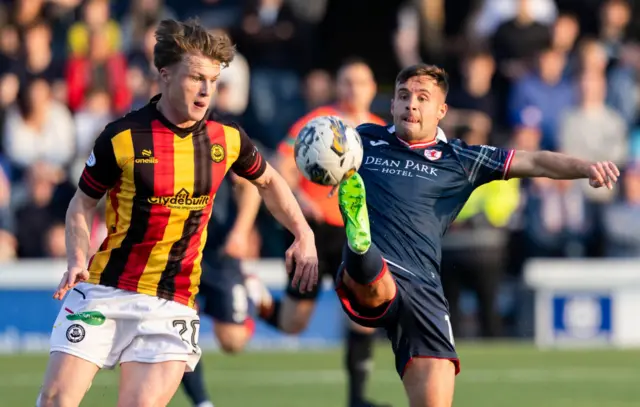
x=250 y=163
x=483 y=163
x=101 y=171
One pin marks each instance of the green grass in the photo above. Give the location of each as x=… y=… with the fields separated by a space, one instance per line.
x=493 y=375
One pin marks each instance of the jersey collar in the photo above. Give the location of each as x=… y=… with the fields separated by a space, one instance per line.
x=440 y=137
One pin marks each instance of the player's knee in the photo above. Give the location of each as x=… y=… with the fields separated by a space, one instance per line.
x=232 y=338
x=372 y=295
x=293 y=326
x=53 y=396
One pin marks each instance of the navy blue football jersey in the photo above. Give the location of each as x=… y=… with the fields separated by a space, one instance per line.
x=414 y=192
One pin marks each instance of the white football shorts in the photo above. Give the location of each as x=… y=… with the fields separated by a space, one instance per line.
x=108 y=326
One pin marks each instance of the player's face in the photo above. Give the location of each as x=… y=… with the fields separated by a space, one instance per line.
x=191 y=84
x=417 y=107
x=356 y=87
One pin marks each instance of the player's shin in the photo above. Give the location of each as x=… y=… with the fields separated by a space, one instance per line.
x=359 y=363
x=193 y=383
x=365 y=268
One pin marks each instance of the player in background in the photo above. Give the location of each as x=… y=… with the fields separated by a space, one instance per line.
x=227 y=295
x=160 y=168
x=416 y=182
x=355 y=90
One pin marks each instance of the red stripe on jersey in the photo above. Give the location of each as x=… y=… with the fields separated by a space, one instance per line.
x=256 y=165
x=159 y=218
x=507 y=164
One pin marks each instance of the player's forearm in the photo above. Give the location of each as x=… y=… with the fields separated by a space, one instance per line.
x=561 y=166
x=548 y=164
x=283 y=205
x=78 y=232
x=248 y=200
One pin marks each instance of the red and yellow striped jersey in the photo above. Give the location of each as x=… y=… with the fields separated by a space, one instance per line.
x=160 y=182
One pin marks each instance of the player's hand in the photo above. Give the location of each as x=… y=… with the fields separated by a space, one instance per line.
x=302 y=260
x=71 y=278
x=236 y=245
x=603 y=173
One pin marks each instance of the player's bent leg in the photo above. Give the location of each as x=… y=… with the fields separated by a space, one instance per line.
x=429 y=382
x=233 y=337
x=66 y=380
x=149 y=384
x=291 y=313
x=366 y=275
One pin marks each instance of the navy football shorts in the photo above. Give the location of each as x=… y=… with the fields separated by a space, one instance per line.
x=416 y=320
x=223 y=295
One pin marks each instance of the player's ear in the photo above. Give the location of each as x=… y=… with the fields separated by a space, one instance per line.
x=442 y=111
x=165 y=75
x=392 y=99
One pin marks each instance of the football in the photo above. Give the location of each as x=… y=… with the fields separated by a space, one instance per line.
x=328 y=151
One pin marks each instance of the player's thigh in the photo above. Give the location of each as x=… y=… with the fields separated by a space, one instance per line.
x=149 y=384
x=429 y=382
x=66 y=380
x=423 y=329
x=165 y=331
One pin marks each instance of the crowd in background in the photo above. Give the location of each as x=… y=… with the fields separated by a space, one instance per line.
x=529 y=74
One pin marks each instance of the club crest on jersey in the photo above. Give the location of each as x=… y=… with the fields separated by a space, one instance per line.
x=217 y=153
x=432 y=155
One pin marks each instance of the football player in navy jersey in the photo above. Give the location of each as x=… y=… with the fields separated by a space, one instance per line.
x=416 y=181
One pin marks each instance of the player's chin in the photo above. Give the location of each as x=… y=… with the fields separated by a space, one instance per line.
x=197 y=112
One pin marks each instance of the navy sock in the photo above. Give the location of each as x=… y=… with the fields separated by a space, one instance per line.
x=193 y=383
x=358 y=360
x=364 y=268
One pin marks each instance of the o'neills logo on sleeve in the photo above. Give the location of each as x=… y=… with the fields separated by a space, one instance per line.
x=182 y=200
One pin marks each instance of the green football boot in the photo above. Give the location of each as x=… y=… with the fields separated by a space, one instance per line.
x=353 y=205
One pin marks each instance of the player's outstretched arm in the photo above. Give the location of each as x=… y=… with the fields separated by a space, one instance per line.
x=77 y=239
x=526 y=164
x=283 y=205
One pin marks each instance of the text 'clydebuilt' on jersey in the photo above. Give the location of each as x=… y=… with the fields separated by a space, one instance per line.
x=415 y=192
x=160 y=182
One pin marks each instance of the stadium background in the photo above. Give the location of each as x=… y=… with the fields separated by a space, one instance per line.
x=533 y=74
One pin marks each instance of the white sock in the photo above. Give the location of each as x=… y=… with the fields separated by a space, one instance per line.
x=205 y=404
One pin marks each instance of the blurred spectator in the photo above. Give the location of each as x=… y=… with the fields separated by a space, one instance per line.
x=236 y=76
x=622 y=93
x=96 y=17
x=25 y=12
x=37 y=215
x=269 y=37
x=38 y=127
x=495 y=12
x=520 y=39
x=615 y=17
x=9 y=51
x=101 y=68
x=559 y=221
x=142 y=14
x=622 y=219
x=140 y=69
x=472 y=103
x=318 y=89
x=594 y=131
x=540 y=98
x=38 y=60
x=55 y=246
x=89 y=123
x=565 y=32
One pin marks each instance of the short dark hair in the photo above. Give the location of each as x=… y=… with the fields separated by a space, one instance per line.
x=174 y=39
x=434 y=72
